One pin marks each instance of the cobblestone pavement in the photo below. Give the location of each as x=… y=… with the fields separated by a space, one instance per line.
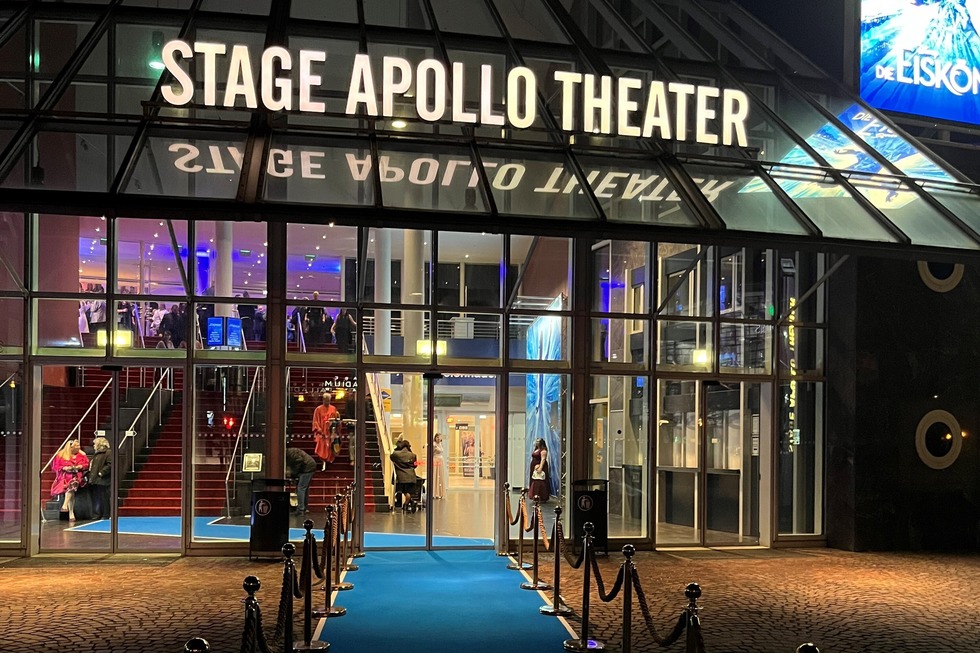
x=754 y=601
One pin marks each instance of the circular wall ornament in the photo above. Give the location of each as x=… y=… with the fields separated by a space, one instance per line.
x=940 y=277
x=938 y=439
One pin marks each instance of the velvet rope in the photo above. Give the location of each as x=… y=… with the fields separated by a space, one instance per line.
x=618 y=585
x=562 y=551
x=326 y=544
x=317 y=567
x=540 y=519
x=285 y=598
x=698 y=637
x=675 y=634
x=253 y=639
x=510 y=513
x=529 y=519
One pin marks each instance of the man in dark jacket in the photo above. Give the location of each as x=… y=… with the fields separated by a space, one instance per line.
x=406 y=480
x=300 y=465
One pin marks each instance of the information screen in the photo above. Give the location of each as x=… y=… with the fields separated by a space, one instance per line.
x=922 y=57
x=216 y=332
x=233 y=333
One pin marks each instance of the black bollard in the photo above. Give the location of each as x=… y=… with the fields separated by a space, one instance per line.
x=520 y=565
x=629 y=551
x=583 y=643
x=503 y=553
x=536 y=583
x=197 y=645
x=693 y=593
x=809 y=647
x=307 y=580
x=329 y=610
x=557 y=607
x=339 y=560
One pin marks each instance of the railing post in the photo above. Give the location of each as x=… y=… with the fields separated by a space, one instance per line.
x=339 y=585
x=557 y=607
x=583 y=643
x=197 y=645
x=307 y=579
x=629 y=551
x=693 y=593
x=808 y=647
x=536 y=583
x=328 y=553
x=503 y=552
x=520 y=565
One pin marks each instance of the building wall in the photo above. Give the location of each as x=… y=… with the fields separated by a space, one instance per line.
x=914 y=350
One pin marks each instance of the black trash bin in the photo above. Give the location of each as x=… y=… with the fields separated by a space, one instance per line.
x=590 y=503
x=270 y=518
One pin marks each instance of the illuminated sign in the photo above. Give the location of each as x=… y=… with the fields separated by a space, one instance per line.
x=620 y=106
x=922 y=57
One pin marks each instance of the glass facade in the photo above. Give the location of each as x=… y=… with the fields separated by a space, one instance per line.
x=252 y=229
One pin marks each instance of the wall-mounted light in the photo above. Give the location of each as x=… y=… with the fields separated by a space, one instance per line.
x=156 y=51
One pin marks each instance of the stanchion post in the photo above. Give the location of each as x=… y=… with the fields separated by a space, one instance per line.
x=808 y=647
x=693 y=593
x=197 y=645
x=520 y=565
x=629 y=551
x=503 y=553
x=289 y=573
x=349 y=529
x=307 y=580
x=329 y=610
x=536 y=583
x=583 y=643
x=339 y=585
x=557 y=607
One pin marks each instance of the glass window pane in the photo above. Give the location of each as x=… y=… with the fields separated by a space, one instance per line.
x=830 y=206
x=600 y=32
x=398 y=265
x=341 y=11
x=316 y=256
x=746 y=283
x=406 y=339
x=12 y=251
x=678 y=462
x=314 y=328
x=465 y=18
x=541 y=270
x=431 y=177
x=963 y=202
x=539 y=338
x=12 y=445
x=56 y=41
x=801 y=440
x=469 y=272
x=619 y=436
x=534 y=184
x=539 y=409
x=395 y=13
x=12 y=326
x=222 y=427
x=140 y=328
x=468 y=338
x=68 y=161
x=798 y=272
x=529 y=20
x=801 y=350
x=630 y=192
x=62 y=326
x=622 y=276
x=188 y=167
x=686 y=280
x=227 y=255
x=745 y=348
x=910 y=213
x=319 y=172
x=685 y=346
x=151 y=255
x=259 y=7
x=70 y=254
x=620 y=342
x=139 y=49
x=743 y=200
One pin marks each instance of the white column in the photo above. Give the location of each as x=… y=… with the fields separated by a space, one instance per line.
x=224 y=243
x=382 y=291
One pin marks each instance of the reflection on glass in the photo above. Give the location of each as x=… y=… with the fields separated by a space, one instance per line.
x=329 y=172
x=543 y=278
x=618 y=341
x=431 y=178
x=188 y=167
x=534 y=184
x=678 y=462
x=622 y=276
x=152 y=256
x=685 y=280
x=685 y=346
x=801 y=440
x=745 y=348
x=11 y=407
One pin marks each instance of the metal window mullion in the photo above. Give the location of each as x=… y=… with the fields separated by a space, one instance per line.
x=875 y=212
x=798 y=213
x=763 y=34
x=724 y=36
x=689 y=193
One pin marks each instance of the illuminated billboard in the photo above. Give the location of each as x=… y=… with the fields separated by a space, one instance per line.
x=922 y=57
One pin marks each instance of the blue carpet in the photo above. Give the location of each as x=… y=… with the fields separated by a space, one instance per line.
x=440 y=602
x=205 y=528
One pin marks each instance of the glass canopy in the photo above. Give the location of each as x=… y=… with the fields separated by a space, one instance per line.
x=540 y=109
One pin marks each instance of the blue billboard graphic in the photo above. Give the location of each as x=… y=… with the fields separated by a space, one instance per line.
x=922 y=57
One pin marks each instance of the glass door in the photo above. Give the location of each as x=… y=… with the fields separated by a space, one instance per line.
x=437 y=452
x=112 y=478
x=712 y=444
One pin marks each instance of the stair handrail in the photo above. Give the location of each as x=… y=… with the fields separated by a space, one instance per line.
x=131 y=431
x=384 y=441
x=300 y=338
x=241 y=428
x=5 y=381
x=78 y=426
